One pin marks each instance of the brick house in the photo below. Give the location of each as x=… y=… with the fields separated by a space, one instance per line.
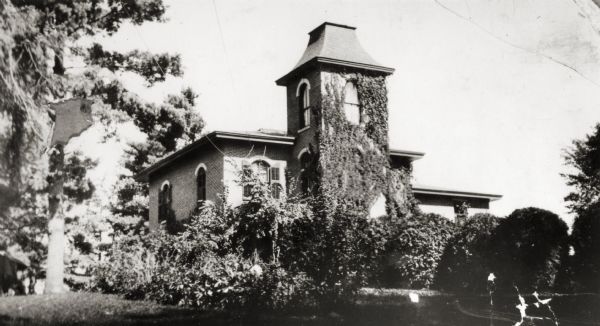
x=324 y=84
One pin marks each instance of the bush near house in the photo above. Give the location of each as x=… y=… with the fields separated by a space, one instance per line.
x=528 y=247
x=269 y=254
x=466 y=262
x=414 y=249
x=340 y=252
x=263 y=254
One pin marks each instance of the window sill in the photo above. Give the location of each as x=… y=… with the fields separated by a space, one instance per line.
x=303 y=129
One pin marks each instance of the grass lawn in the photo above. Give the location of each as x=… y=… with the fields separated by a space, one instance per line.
x=92 y=309
x=374 y=307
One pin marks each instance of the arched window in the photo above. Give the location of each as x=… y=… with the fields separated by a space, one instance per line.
x=305 y=184
x=304 y=105
x=164 y=201
x=201 y=184
x=261 y=170
x=351 y=103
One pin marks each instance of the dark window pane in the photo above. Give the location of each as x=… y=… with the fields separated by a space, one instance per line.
x=248 y=190
x=305 y=161
x=201 y=184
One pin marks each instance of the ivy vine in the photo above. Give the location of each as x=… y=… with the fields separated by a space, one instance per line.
x=352 y=162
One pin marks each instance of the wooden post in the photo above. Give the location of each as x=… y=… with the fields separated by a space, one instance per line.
x=56 y=223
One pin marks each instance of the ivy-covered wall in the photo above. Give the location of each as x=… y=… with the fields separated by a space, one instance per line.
x=352 y=161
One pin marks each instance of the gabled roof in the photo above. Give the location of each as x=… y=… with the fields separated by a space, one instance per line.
x=438 y=191
x=335 y=44
x=271 y=137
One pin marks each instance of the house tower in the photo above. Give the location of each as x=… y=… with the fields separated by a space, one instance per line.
x=337 y=110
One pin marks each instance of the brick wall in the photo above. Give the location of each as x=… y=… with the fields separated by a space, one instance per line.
x=221 y=172
x=307 y=136
x=183 y=180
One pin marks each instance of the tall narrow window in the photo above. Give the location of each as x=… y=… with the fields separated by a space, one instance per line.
x=201 y=184
x=351 y=103
x=164 y=202
x=304 y=106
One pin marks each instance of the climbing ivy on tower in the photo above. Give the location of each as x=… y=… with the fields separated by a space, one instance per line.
x=353 y=159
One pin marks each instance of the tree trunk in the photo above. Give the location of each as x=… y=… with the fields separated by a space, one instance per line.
x=56 y=224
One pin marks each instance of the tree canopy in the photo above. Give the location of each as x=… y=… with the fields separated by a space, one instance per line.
x=40 y=43
x=584 y=157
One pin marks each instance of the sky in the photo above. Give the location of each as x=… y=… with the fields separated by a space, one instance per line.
x=492 y=91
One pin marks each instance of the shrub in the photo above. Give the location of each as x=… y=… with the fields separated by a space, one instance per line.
x=265 y=254
x=127 y=272
x=208 y=264
x=585 y=240
x=338 y=252
x=528 y=247
x=465 y=264
x=414 y=250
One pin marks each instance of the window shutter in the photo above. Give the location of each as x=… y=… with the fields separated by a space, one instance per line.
x=274 y=174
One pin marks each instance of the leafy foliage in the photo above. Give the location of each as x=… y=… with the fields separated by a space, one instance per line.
x=266 y=253
x=584 y=156
x=529 y=245
x=352 y=162
x=339 y=251
x=585 y=239
x=466 y=262
x=39 y=39
x=153 y=69
x=27 y=225
x=168 y=127
x=415 y=248
x=200 y=266
x=77 y=186
x=128 y=272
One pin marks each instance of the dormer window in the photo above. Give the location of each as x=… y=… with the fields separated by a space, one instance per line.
x=351 y=104
x=304 y=105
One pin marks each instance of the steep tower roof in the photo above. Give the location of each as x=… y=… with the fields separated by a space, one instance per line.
x=335 y=44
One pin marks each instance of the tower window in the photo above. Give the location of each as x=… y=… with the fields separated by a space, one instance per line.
x=304 y=105
x=201 y=184
x=164 y=202
x=352 y=108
